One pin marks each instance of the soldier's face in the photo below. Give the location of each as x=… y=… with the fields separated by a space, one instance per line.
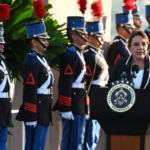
x=125 y=33
x=101 y=40
x=130 y=29
x=138 y=48
x=82 y=41
x=96 y=41
x=44 y=41
x=37 y=46
x=137 y=21
x=1 y=47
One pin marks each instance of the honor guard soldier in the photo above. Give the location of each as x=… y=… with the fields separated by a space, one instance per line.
x=136 y=14
x=97 y=74
x=72 y=87
x=147 y=31
x=5 y=100
x=37 y=92
x=118 y=48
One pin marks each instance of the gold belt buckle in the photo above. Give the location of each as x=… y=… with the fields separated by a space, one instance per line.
x=51 y=90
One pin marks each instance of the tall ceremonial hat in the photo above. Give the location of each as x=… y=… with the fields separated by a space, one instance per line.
x=135 y=11
x=147 y=10
x=95 y=27
x=37 y=29
x=4 y=15
x=76 y=23
x=126 y=19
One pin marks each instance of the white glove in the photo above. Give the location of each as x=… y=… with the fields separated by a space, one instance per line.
x=34 y=123
x=87 y=116
x=67 y=115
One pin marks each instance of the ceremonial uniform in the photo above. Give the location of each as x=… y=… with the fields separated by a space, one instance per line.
x=38 y=78
x=97 y=76
x=72 y=81
x=135 y=13
x=147 y=31
x=5 y=100
x=72 y=91
x=118 y=49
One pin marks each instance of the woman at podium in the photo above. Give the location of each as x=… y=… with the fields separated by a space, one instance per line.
x=138 y=46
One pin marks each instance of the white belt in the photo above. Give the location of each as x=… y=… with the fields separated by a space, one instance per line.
x=98 y=82
x=4 y=95
x=43 y=91
x=78 y=85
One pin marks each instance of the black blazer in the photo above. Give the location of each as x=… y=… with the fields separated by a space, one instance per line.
x=35 y=107
x=91 y=60
x=71 y=99
x=5 y=103
x=116 y=51
x=117 y=70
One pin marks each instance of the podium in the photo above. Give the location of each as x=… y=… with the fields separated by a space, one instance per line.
x=125 y=131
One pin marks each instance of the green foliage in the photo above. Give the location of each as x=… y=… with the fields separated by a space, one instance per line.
x=15 y=49
x=9 y=133
x=10 y=126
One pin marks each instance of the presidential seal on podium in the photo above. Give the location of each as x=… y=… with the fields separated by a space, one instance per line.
x=121 y=97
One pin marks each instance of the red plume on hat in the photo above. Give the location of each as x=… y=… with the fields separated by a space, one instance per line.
x=126 y=1
x=135 y=1
x=97 y=9
x=38 y=8
x=4 y=12
x=129 y=4
x=82 y=5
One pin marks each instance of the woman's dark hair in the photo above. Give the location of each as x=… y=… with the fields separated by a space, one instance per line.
x=137 y=33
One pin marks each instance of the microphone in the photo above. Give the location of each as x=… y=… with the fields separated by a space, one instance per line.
x=135 y=70
x=125 y=69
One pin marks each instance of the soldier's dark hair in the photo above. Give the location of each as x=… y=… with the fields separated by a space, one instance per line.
x=28 y=42
x=137 y=33
x=69 y=34
x=117 y=27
